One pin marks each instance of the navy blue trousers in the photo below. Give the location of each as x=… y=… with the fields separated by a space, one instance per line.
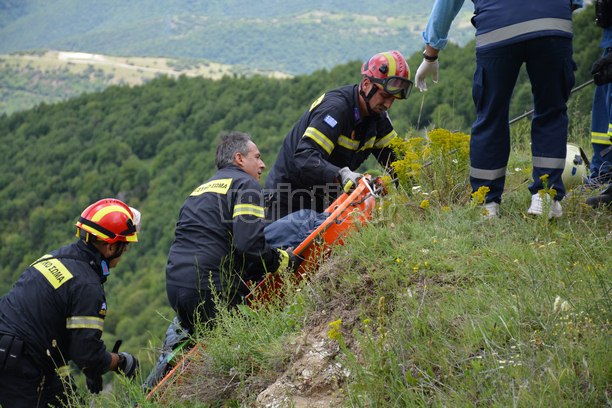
x=550 y=68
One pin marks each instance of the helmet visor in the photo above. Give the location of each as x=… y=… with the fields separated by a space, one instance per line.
x=397 y=86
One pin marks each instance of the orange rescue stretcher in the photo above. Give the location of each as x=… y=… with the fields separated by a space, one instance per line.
x=346 y=213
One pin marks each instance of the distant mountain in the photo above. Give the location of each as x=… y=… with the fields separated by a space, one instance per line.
x=30 y=78
x=296 y=37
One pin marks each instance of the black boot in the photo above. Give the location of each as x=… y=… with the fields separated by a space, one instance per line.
x=603 y=199
x=177 y=341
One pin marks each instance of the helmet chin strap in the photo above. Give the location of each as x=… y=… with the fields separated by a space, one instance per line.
x=102 y=261
x=105 y=264
x=367 y=97
x=120 y=247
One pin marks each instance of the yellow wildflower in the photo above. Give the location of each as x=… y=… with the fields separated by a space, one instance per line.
x=479 y=196
x=335 y=332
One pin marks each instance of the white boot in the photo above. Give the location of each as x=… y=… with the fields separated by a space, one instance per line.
x=490 y=210
x=537 y=206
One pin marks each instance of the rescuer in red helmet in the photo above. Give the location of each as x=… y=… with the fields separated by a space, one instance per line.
x=320 y=155
x=55 y=313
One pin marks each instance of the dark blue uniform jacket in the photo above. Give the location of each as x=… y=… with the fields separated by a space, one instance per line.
x=58 y=308
x=328 y=136
x=219 y=233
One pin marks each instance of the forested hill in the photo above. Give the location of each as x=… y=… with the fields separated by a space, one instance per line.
x=297 y=37
x=151 y=145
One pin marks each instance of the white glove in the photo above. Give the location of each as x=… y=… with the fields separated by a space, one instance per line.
x=425 y=69
x=348 y=179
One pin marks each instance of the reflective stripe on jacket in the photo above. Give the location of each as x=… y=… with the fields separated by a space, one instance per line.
x=503 y=22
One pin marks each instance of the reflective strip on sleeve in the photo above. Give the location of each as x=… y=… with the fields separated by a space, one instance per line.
x=601 y=138
x=484 y=174
x=248 y=209
x=525 y=27
x=368 y=144
x=320 y=139
x=548 y=162
x=85 y=322
x=214 y=186
x=53 y=270
x=384 y=141
x=348 y=143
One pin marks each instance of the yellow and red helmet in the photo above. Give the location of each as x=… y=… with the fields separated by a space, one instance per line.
x=109 y=220
x=390 y=71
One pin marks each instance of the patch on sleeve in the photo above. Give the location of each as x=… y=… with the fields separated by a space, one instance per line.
x=102 y=311
x=219 y=186
x=53 y=270
x=330 y=121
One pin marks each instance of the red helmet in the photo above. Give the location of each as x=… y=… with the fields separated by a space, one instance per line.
x=389 y=70
x=110 y=220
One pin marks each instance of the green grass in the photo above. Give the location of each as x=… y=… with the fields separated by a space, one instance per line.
x=431 y=306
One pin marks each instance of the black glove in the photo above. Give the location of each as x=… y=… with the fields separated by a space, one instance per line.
x=294 y=261
x=128 y=364
x=602 y=70
x=348 y=179
x=94 y=385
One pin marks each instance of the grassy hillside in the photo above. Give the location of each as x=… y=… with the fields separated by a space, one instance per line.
x=461 y=313
x=428 y=305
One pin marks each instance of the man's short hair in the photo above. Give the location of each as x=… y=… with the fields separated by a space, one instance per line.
x=230 y=144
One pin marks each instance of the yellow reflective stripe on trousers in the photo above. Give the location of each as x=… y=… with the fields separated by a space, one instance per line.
x=348 y=143
x=525 y=27
x=63 y=371
x=85 y=322
x=601 y=138
x=248 y=209
x=320 y=139
x=485 y=174
x=384 y=141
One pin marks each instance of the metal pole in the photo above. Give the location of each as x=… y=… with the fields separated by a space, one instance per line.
x=524 y=115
